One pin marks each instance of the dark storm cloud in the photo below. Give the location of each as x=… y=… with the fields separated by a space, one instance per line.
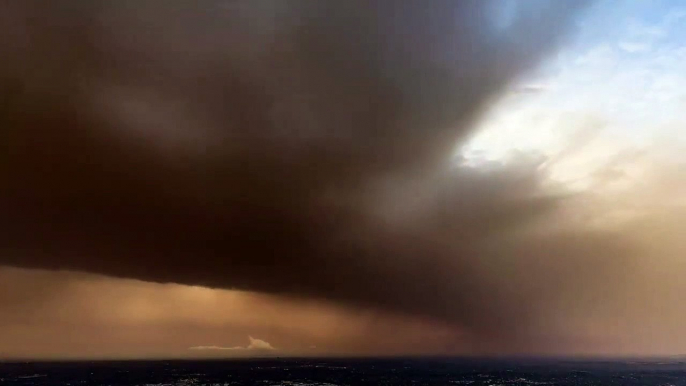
x=298 y=148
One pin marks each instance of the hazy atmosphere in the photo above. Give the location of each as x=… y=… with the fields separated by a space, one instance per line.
x=313 y=178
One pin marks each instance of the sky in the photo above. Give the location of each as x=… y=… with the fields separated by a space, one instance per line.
x=234 y=179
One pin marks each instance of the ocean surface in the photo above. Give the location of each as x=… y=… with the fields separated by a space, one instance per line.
x=331 y=372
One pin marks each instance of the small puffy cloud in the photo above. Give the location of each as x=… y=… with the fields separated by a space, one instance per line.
x=259 y=344
x=633 y=47
x=531 y=88
x=255 y=344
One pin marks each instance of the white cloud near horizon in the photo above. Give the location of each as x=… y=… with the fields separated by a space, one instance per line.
x=255 y=344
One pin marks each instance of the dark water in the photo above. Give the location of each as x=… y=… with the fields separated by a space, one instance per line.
x=346 y=372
